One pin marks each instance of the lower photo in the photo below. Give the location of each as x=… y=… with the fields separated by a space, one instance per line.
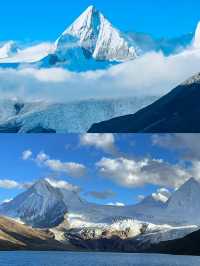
x=100 y=199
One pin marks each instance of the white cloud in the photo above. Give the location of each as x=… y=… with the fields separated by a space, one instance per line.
x=26 y=155
x=58 y=85
x=105 y=142
x=162 y=194
x=119 y=204
x=62 y=184
x=9 y=184
x=42 y=157
x=136 y=173
x=70 y=168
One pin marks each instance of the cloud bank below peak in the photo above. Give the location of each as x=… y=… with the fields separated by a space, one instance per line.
x=152 y=74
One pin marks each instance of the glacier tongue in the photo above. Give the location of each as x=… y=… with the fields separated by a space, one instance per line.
x=97 y=35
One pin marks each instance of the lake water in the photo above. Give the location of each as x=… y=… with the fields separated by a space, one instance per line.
x=93 y=259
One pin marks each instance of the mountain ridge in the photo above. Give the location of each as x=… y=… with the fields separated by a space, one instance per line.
x=44 y=205
x=176 y=112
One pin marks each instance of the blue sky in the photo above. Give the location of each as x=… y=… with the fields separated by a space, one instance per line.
x=46 y=19
x=165 y=167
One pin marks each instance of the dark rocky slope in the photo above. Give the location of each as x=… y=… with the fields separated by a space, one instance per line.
x=189 y=245
x=176 y=112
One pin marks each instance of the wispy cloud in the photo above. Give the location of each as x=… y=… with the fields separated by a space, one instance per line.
x=72 y=169
x=9 y=184
x=12 y=184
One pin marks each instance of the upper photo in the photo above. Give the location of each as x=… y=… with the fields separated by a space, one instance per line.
x=99 y=66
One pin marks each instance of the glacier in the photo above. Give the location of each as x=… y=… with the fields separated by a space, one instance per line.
x=70 y=117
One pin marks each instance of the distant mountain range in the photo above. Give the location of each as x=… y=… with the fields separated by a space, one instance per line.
x=44 y=205
x=176 y=112
x=73 y=221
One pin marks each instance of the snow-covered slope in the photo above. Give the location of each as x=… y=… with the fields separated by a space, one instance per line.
x=64 y=117
x=30 y=54
x=8 y=49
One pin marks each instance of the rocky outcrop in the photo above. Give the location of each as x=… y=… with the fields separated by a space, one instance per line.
x=16 y=236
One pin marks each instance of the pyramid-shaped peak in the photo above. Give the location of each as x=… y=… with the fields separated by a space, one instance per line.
x=98 y=38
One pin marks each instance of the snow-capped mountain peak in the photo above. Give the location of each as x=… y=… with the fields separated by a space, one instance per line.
x=98 y=37
x=40 y=205
x=43 y=204
x=86 y=28
x=42 y=187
